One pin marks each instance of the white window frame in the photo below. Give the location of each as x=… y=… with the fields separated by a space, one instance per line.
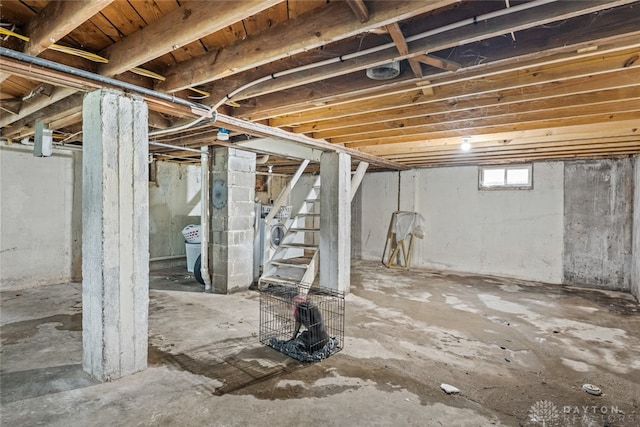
x=506 y=186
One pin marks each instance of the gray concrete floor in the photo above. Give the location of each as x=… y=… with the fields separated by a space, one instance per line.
x=518 y=351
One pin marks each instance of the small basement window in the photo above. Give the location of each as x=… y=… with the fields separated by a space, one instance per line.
x=518 y=177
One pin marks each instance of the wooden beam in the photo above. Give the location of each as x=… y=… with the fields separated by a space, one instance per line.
x=11 y=106
x=621 y=124
x=359 y=9
x=520 y=156
x=64 y=107
x=487 y=29
x=318 y=97
x=182 y=26
x=488 y=81
x=434 y=61
x=281 y=147
x=401 y=44
x=313 y=29
x=356 y=180
x=45 y=74
x=37 y=105
x=619 y=129
x=494 y=147
x=552 y=107
x=598 y=154
x=608 y=119
x=57 y=19
x=606 y=28
x=498 y=97
x=158 y=121
x=257 y=129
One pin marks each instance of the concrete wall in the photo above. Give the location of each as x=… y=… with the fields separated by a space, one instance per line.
x=598 y=223
x=579 y=225
x=378 y=194
x=515 y=233
x=174 y=202
x=635 y=263
x=40 y=217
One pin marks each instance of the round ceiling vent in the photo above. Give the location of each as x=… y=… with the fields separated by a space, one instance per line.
x=384 y=72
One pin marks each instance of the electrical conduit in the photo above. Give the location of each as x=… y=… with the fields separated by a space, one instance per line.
x=204 y=219
x=342 y=58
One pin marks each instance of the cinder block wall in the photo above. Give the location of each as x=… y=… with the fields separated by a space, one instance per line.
x=233 y=216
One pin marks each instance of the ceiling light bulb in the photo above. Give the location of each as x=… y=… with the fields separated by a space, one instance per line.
x=465 y=146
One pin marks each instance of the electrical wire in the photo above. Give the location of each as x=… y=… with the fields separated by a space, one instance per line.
x=97 y=58
x=342 y=58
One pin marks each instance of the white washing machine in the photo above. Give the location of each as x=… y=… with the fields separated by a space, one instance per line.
x=276 y=232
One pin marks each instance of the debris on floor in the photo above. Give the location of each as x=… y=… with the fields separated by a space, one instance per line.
x=449 y=389
x=592 y=389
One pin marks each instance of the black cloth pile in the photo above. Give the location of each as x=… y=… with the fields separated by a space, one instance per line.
x=296 y=349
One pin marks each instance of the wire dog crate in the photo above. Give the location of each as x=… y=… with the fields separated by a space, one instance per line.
x=320 y=313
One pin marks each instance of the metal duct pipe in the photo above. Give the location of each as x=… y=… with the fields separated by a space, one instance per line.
x=204 y=219
x=175 y=147
x=197 y=109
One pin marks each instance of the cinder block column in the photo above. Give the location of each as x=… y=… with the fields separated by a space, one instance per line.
x=115 y=235
x=335 y=221
x=233 y=212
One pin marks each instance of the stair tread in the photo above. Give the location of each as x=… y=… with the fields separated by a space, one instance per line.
x=287 y=264
x=299 y=245
x=295 y=260
x=273 y=279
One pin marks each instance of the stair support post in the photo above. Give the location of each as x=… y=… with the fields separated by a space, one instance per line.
x=335 y=221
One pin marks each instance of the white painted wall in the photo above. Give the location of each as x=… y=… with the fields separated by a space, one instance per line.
x=174 y=203
x=40 y=218
x=635 y=251
x=379 y=199
x=513 y=233
x=41 y=215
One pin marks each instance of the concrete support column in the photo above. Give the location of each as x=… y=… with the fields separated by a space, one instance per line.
x=635 y=249
x=233 y=215
x=598 y=221
x=335 y=221
x=115 y=235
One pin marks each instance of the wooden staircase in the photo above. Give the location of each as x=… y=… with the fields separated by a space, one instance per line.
x=295 y=261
